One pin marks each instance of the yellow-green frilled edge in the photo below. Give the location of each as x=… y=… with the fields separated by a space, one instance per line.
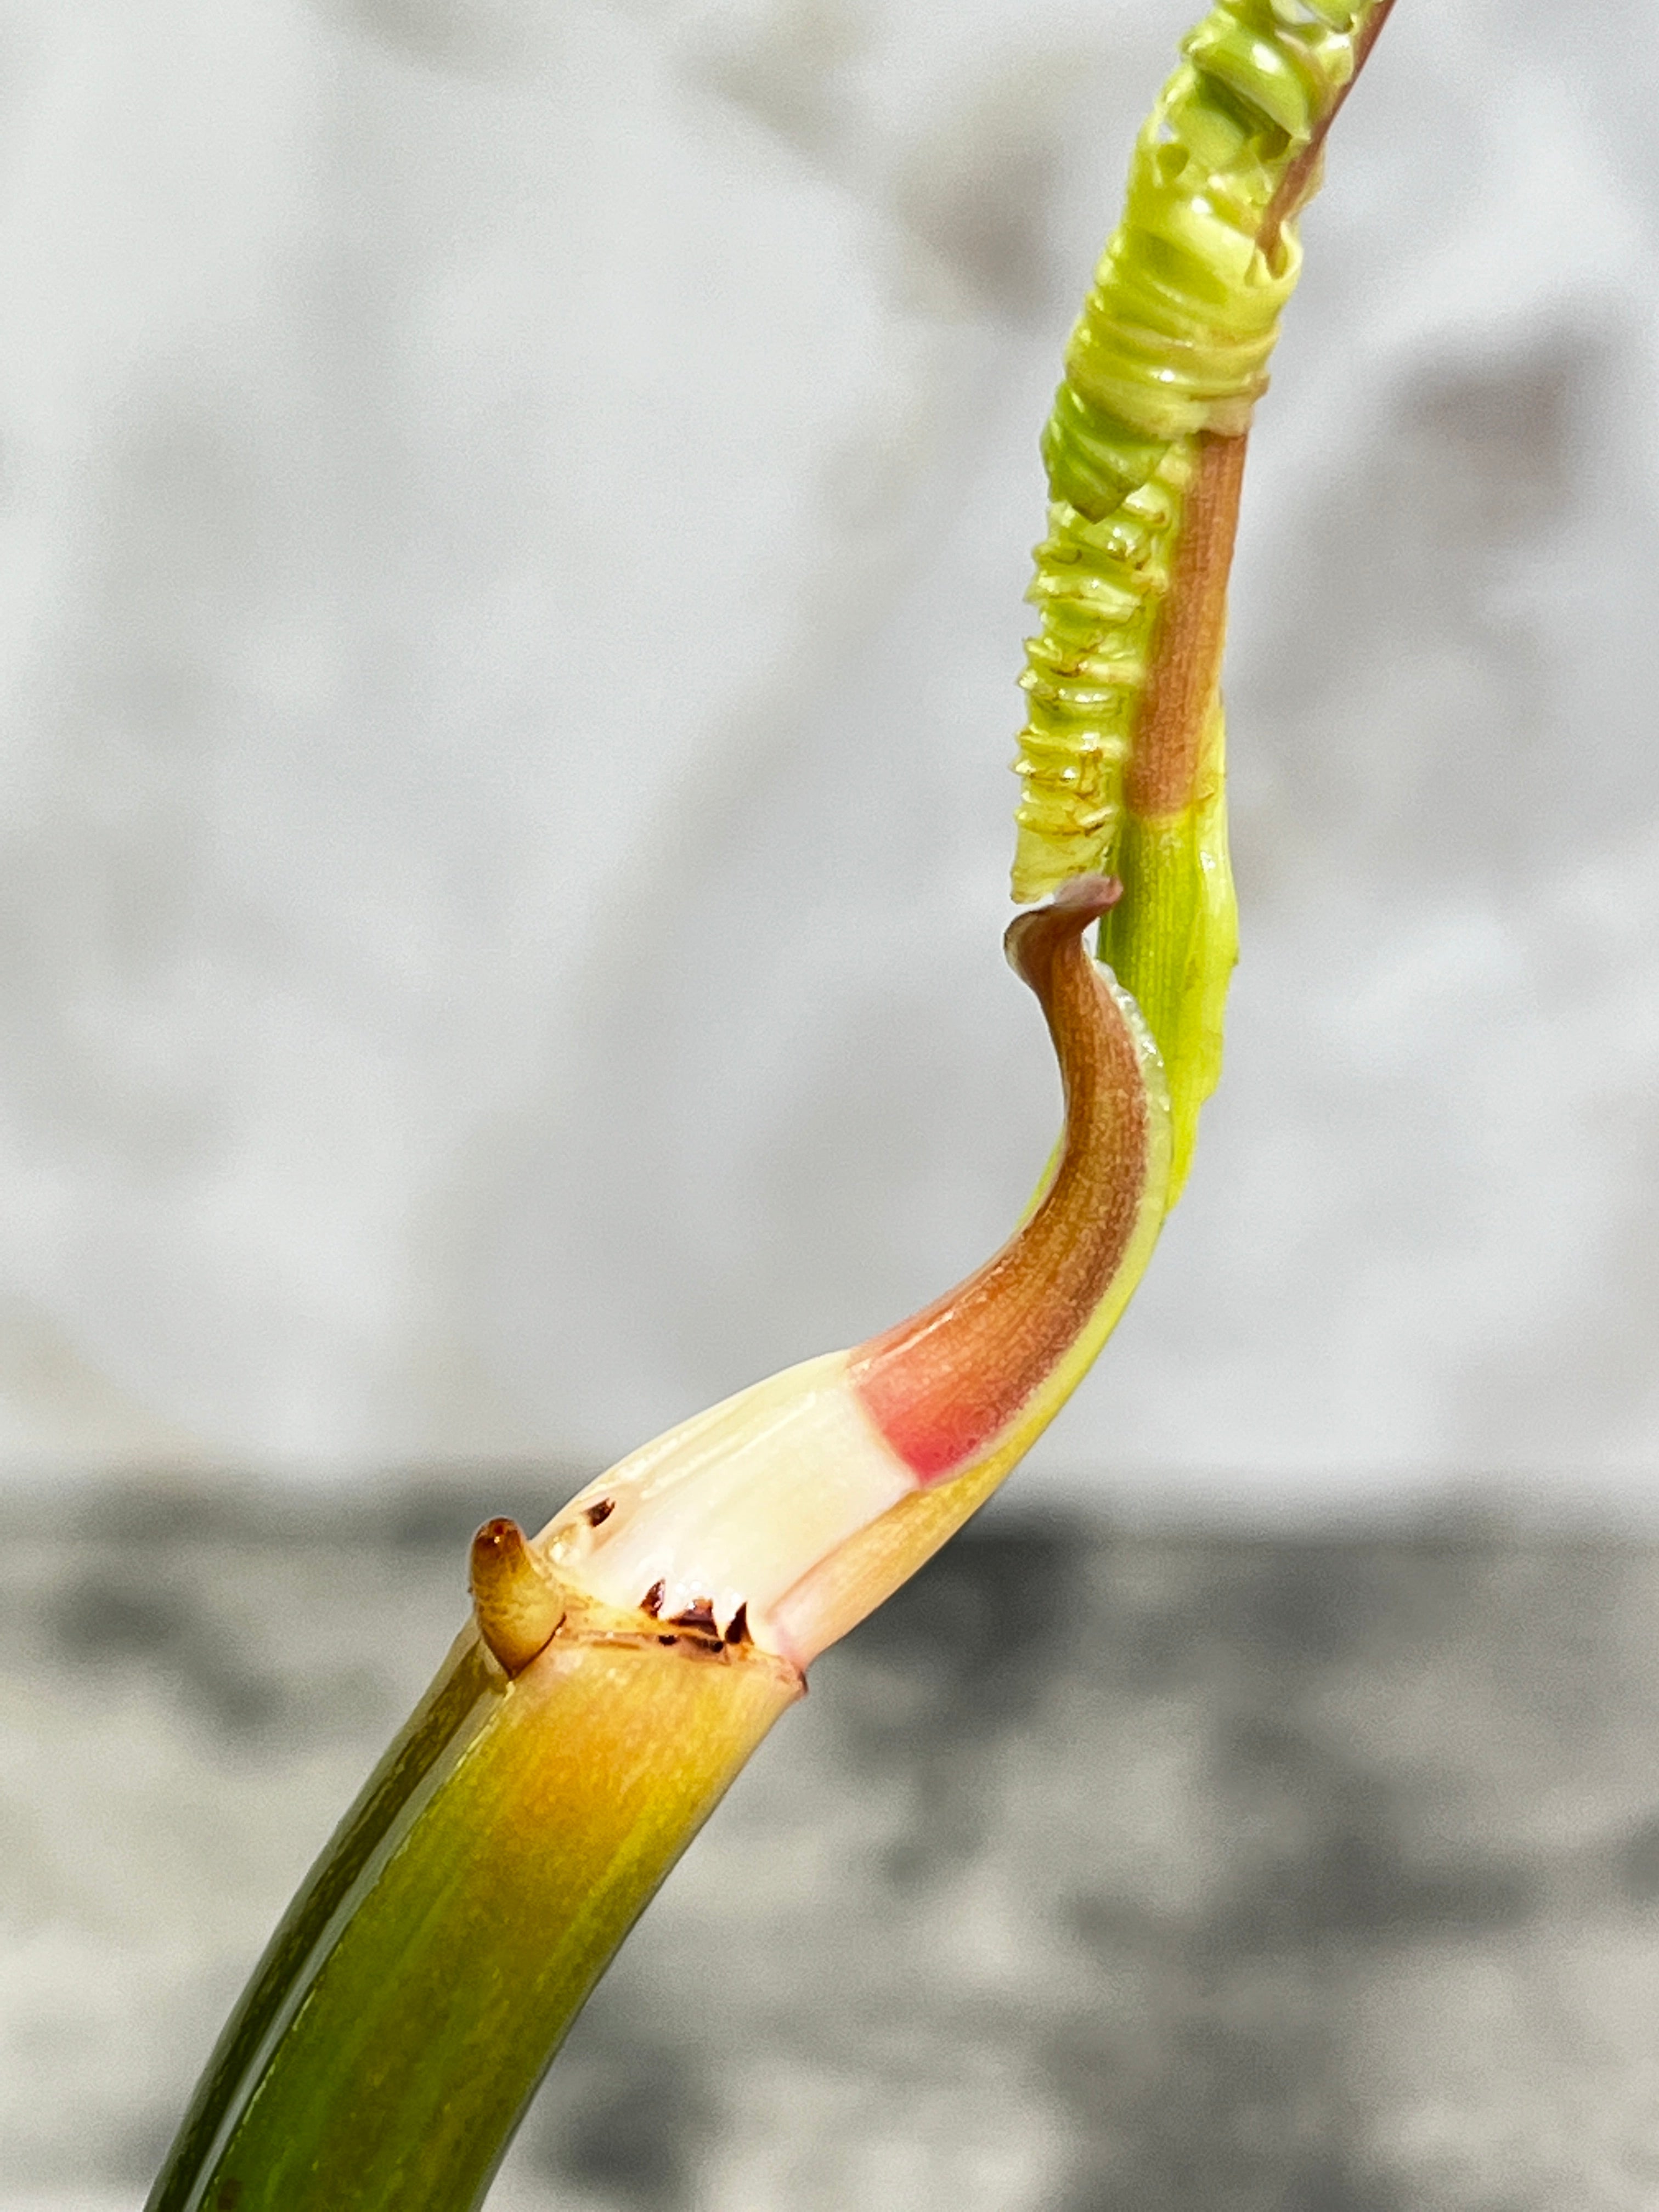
x=1172 y=345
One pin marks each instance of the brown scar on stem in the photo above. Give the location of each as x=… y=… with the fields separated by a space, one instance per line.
x=518 y=1609
x=941 y=1385
x=694 y=1646
x=601 y=1510
x=737 y=1629
x=699 y=1614
x=652 y=1601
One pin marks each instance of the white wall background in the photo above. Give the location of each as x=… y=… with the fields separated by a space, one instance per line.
x=513 y=519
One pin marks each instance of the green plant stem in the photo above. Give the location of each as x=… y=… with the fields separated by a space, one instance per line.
x=411 y=1999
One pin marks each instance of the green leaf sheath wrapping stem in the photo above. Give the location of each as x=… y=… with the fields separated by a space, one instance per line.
x=1121 y=755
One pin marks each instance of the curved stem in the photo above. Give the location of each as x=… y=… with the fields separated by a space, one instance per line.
x=942 y=1386
x=625 y=1664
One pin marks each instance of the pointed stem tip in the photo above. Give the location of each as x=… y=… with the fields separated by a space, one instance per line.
x=518 y=1608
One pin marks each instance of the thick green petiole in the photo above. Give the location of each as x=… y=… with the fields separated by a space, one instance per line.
x=408 y=2008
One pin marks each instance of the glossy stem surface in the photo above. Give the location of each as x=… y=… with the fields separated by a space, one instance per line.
x=415 y=1994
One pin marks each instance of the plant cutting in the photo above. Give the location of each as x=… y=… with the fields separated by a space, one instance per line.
x=620 y=1665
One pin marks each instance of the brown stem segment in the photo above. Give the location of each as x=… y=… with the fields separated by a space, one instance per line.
x=1186 y=663
x=519 y=1610
x=942 y=1385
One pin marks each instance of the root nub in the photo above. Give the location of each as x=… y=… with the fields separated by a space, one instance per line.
x=517 y=1608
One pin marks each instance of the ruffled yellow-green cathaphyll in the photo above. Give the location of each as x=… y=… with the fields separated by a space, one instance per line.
x=621 y=1666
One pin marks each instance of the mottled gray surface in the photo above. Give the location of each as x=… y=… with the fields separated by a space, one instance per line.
x=1097 y=1874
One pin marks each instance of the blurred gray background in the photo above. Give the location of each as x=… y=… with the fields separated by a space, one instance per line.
x=515 y=523
x=513 y=519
